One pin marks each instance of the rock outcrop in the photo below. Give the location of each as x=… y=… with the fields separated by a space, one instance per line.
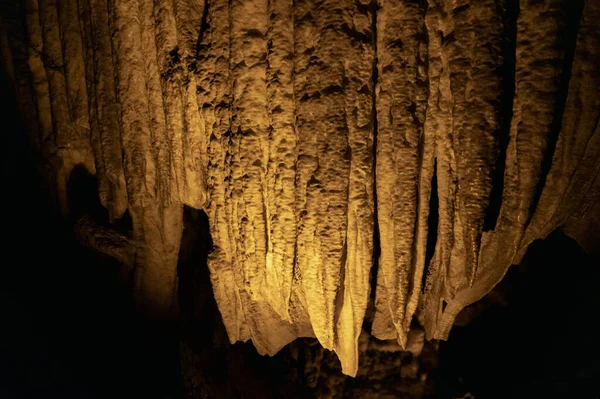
x=413 y=148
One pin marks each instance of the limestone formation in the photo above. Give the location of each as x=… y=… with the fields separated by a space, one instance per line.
x=400 y=152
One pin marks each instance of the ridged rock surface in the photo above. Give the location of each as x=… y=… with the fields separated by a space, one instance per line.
x=410 y=148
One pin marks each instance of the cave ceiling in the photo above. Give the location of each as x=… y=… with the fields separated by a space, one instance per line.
x=397 y=154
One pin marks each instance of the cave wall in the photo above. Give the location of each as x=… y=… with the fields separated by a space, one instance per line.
x=413 y=148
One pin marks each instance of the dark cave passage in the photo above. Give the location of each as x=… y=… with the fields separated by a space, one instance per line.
x=535 y=335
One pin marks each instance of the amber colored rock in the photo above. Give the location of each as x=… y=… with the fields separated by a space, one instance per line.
x=413 y=148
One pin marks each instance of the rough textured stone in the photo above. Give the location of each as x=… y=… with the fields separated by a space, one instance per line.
x=434 y=139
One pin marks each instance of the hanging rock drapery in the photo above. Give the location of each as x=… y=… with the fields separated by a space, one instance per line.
x=434 y=139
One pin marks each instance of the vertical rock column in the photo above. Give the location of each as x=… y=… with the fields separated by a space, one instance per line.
x=244 y=75
x=177 y=26
x=360 y=123
x=404 y=164
x=38 y=74
x=56 y=56
x=467 y=38
x=323 y=160
x=15 y=50
x=156 y=217
x=286 y=97
x=438 y=118
x=543 y=45
x=333 y=87
x=103 y=106
x=572 y=181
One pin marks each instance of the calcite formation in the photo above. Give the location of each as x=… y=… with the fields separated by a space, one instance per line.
x=410 y=147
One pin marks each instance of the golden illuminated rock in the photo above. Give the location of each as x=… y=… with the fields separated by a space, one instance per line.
x=433 y=139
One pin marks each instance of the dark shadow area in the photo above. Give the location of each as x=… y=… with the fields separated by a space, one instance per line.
x=68 y=330
x=433 y=220
x=539 y=340
x=82 y=193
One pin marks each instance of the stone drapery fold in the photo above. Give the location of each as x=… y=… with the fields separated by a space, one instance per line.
x=434 y=139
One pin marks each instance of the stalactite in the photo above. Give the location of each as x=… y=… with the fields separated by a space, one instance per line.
x=71 y=145
x=156 y=220
x=576 y=153
x=281 y=167
x=433 y=139
x=103 y=109
x=16 y=54
x=541 y=51
x=400 y=161
x=466 y=150
x=39 y=77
